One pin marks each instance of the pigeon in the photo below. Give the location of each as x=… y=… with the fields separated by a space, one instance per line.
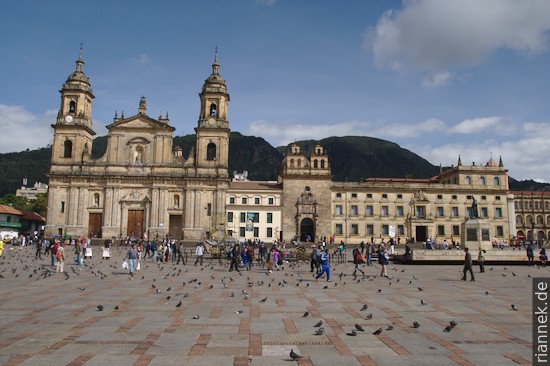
x=186 y=294
x=294 y=355
x=486 y=292
x=365 y=307
x=238 y=312
x=305 y=314
x=390 y=327
x=420 y=289
x=325 y=287
x=416 y=324
x=448 y=328
x=359 y=328
x=514 y=307
x=352 y=333
x=318 y=324
x=196 y=316
x=320 y=331
x=453 y=323
x=168 y=297
x=264 y=299
x=179 y=304
x=168 y=289
x=423 y=302
x=100 y=308
x=369 y=317
x=116 y=307
x=232 y=294
x=377 y=331
x=379 y=290
x=82 y=288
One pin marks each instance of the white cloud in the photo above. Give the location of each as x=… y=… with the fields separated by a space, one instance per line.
x=23 y=130
x=441 y=34
x=142 y=59
x=476 y=125
x=438 y=79
x=431 y=125
x=265 y=2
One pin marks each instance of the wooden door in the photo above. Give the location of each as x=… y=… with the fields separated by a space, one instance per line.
x=94 y=225
x=135 y=224
x=175 y=226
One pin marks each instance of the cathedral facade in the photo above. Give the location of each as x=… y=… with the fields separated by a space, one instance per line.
x=142 y=186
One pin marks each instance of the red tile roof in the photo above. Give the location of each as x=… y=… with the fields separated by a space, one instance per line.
x=5 y=209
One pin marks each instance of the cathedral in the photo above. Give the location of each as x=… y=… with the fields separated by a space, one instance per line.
x=144 y=187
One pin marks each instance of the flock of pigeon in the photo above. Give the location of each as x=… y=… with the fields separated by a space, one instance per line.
x=22 y=263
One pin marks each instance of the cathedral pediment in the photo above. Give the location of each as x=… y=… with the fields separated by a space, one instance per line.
x=139 y=121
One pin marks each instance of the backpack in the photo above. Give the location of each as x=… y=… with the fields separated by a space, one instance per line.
x=58 y=254
x=357 y=257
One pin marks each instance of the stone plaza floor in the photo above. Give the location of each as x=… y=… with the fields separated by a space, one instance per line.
x=52 y=318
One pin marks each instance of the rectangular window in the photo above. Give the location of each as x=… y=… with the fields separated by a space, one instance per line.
x=269 y=233
x=269 y=217
x=468 y=197
x=483 y=197
x=498 y=212
x=497 y=198
x=384 y=196
x=209 y=209
x=441 y=230
x=354 y=195
x=353 y=210
x=370 y=229
x=338 y=210
x=241 y=232
x=230 y=216
x=454 y=211
x=232 y=200
x=242 y=217
x=400 y=230
x=256 y=232
x=385 y=229
x=500 y=231
x=454 y=197
x=256 y=200
x=256 y=217
x=369 y=211
x=439 y=196
x=384 y=211
x=484 y=212
x=338 y=229
x=399 y=211
x=456 y=230
x=62 y=206
x=270 y=200
x=338 y=195
x=399 y=196
x=244 y=200
x=369 y=195
x=354 y=229
x=420 y=211
x=440 y=211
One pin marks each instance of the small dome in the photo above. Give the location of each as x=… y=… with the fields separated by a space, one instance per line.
x=491 y=163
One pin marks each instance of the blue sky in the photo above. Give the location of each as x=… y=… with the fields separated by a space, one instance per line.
x=438 y=77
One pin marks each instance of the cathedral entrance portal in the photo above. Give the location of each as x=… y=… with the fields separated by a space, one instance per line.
x=94 y=225
x=421 y=233
x=307 y=230
x=175 y=227
x=135 y=224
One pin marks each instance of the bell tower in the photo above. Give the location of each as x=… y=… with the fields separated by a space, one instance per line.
x=73 y=128
x=213 y=127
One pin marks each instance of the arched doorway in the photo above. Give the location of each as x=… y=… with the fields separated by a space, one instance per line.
x=307 y=230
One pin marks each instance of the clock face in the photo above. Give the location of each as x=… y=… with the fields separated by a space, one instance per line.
x=212 y=121
x=68 y=119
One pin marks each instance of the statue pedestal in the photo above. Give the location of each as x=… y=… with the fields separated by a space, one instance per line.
x=475 y=235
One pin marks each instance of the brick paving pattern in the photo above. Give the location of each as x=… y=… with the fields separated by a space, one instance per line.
x=53 y=319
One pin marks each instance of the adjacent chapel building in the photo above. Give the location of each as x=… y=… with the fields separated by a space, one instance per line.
x=143 y=186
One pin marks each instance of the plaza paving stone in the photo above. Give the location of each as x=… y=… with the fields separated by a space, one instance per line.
x=51 y=319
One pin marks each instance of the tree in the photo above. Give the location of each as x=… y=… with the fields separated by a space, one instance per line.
x=40 y=204
x=17 y=202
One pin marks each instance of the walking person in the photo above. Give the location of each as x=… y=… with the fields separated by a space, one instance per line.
x=357 y=260
x=543 y=257
x=262 y=251
x=275 y=255
x=468 y=265
x=249 y=257
x=481 y=260
x=326 y=266
x=383 y=261
x=234 y=256
x=60 y=258
x=530 y=255
x=369 y=254
x=180 y=253
x=313 y=258
x=199 y=252
x=132 y=256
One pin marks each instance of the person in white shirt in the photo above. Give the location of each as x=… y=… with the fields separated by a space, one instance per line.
x=199 y=252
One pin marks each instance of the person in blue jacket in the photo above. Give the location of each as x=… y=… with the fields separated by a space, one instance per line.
x=326 y=265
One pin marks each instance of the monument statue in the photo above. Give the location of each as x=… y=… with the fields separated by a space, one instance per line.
x=473 y=213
